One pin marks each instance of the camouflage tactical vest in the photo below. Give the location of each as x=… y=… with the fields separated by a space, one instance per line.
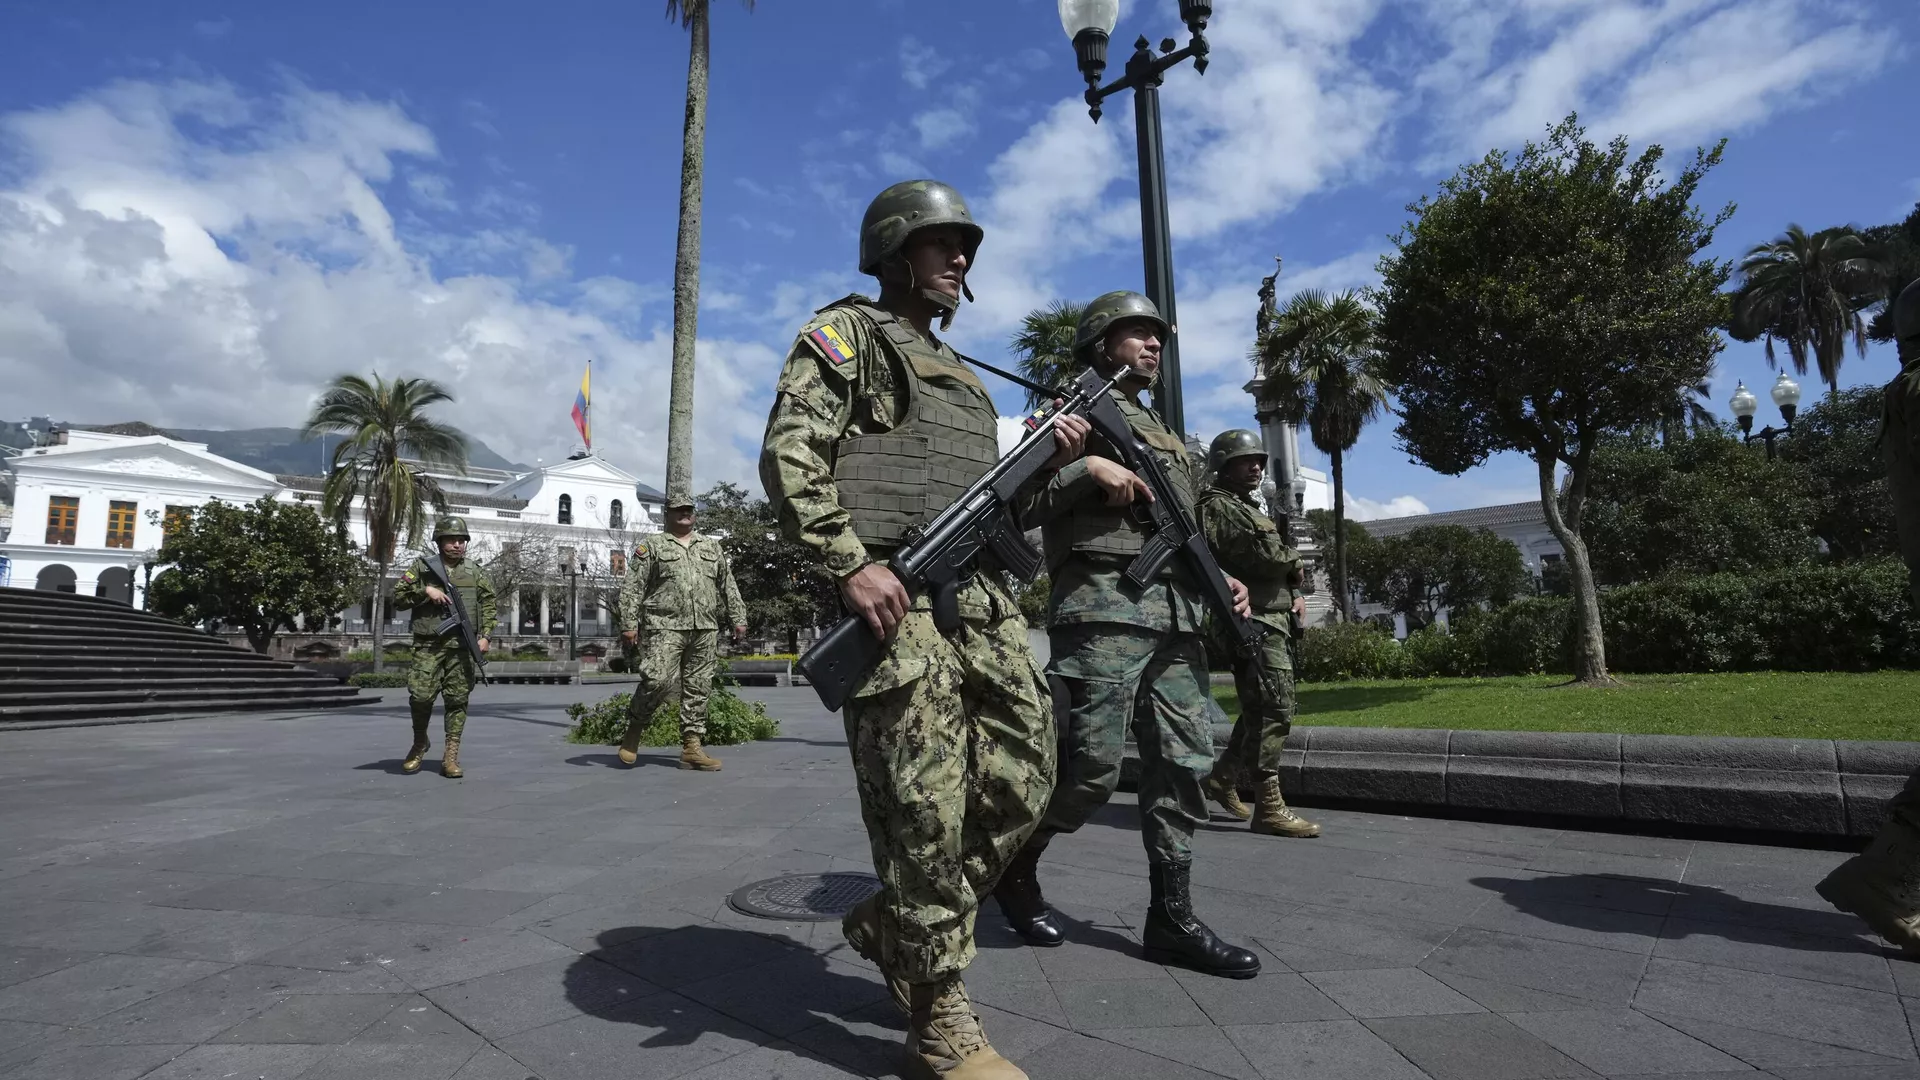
x=428 y=617
x=1268 y=593
x=892 y=481
x=1096 y=527
x=1900 y=445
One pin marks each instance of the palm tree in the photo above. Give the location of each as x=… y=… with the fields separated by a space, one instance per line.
x=381 y=465
x=1319 y=363
x=1045 y=345
x=1807 y=289
x=1687 y=414
x=686 y=258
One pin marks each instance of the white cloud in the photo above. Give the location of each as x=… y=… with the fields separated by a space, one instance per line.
x=942 y=127
x=921 y=64
x=1361 y=508
x=188 y=255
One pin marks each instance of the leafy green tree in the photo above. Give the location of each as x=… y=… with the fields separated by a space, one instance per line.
x=1363 y=551
x=783 y=587
x=1807 y=291
x=1897 y=249
x=1536 y=304
x=1836 y=444
x=1044 y=345
x=1320 y=365
x=380 y=467
x=694 y=17
x=1444 y=567
x=1703 y=505
x=258 y=567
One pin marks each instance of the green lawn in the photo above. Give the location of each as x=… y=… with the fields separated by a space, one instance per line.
x=1819 y=705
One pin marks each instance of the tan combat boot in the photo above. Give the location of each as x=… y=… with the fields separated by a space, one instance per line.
x=630 y=745
x=1221 y=788
x=692 y=757
x=861 y=926
x=1850 y=889
x=1273 y=817
x=418 y=750
x=450 y=759
x=944 y=1040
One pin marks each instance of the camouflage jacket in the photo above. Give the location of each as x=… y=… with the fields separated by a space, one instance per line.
x=675 y=586
x=1249 y=546
x=476 y=595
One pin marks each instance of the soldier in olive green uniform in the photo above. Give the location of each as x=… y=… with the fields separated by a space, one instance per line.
x=876 y=427
x=678 y=592
x=1250 y=547
x=441 y=666
x=1882 y=885
x=1127 y=655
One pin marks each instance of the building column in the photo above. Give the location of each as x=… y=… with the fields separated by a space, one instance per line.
x=545 y=622
x=513 y=612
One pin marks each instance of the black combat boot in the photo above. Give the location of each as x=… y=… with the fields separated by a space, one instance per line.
x=1020 y=900
x=1174 y=935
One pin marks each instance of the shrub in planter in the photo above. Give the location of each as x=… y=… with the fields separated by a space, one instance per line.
x=730 y=720
x=1349 y=651
x=1532 y=636
x=530 y=651
x=377 y=679
x=1451 y=651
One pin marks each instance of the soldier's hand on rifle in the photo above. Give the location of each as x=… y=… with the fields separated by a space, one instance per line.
x=631 y=637
x=875 y=594
x=739 y=633
x=434 y=594
x=483 y=646
x=1241 y=605
x=1300 y=606
x=1118 y=482
x=1069 y=439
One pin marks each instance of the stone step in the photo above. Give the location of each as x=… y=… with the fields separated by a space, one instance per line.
x=40 y=631
x=35 y=695
x=164 y=670
x=276 y=702
x=18 y=651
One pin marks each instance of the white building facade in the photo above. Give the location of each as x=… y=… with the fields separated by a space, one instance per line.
x=1522 y=524
x=89 y=516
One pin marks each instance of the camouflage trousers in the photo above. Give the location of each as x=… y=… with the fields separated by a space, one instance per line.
x=953 y=756
x=1891 y=863
x=1265 y=718
x=1156 y=681
x=441 y=668
x=675 y=661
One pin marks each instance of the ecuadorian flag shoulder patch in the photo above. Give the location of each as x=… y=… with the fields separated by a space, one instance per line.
x=832 y=344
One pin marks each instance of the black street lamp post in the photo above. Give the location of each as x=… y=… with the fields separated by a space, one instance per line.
x=1089 y=23
x=1786 y=397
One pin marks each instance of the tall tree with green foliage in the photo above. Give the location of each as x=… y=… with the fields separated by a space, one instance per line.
x=1540 y=301
x=1362 y=550
x=1044 y=345
x=1320 y=365
x=694 y=17
x=380 y=468
x=1806 y=290
x=258 y=567
x=1897 y=249
x=1443 y=567
x=1836 y=446
x=782 y=584
x=1706 y=504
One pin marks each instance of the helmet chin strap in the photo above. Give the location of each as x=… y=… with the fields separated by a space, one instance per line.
x=947 y=305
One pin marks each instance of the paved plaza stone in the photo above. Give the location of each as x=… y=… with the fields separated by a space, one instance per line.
x=268 y=897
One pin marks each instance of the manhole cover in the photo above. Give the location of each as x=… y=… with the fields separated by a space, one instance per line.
x=804 y=897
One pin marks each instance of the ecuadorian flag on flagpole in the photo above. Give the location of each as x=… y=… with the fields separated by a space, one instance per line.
x=580 y=407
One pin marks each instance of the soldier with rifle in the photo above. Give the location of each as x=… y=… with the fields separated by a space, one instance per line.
x=1132 y=583
x=1252 y=548
x=1882 y=884
x=878 y=427
x=453 y=611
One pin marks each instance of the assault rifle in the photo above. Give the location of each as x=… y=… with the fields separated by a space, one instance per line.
x=458 y=621
x=942 y=556
x=1172 y=531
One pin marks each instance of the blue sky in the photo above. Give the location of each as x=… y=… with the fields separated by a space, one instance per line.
x=206 y=210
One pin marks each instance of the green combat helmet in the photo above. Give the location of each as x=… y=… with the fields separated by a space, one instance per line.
x=451 y=528
x=1091 y=334
x=1236 y=443
x=905 y=208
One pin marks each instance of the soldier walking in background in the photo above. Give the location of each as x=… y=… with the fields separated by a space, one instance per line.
x=1882 y=884
x=678 y=593
x=441 y=666
x=1250 y=547
x=1128 y=655
x=876 y=427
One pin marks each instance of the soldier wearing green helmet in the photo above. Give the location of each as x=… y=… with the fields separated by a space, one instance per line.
x=1128 y=656
x=1882 y=884
x=441 y=667
x=1250 y=547
x=877 y=425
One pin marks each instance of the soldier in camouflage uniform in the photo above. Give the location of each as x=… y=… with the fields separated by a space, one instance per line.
x=678 y=592
x=1127 y=655
x=1250 y=547
x=877 y=426
x=441 y=666
x=1882 y=885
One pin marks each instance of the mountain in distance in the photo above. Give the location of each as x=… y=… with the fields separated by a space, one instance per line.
x=281 y=450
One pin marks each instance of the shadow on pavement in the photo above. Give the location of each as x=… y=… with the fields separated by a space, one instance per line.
x=495 y=714
x=612 y=761
x=1690 y=910
x=391 y=766
x=775 y=988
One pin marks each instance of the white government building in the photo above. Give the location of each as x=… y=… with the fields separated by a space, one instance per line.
x=88 y=513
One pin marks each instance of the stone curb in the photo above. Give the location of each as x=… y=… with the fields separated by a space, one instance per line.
x=1817 y=787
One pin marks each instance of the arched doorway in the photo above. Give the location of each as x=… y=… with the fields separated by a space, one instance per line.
x=116 y=583
x=55 y=578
